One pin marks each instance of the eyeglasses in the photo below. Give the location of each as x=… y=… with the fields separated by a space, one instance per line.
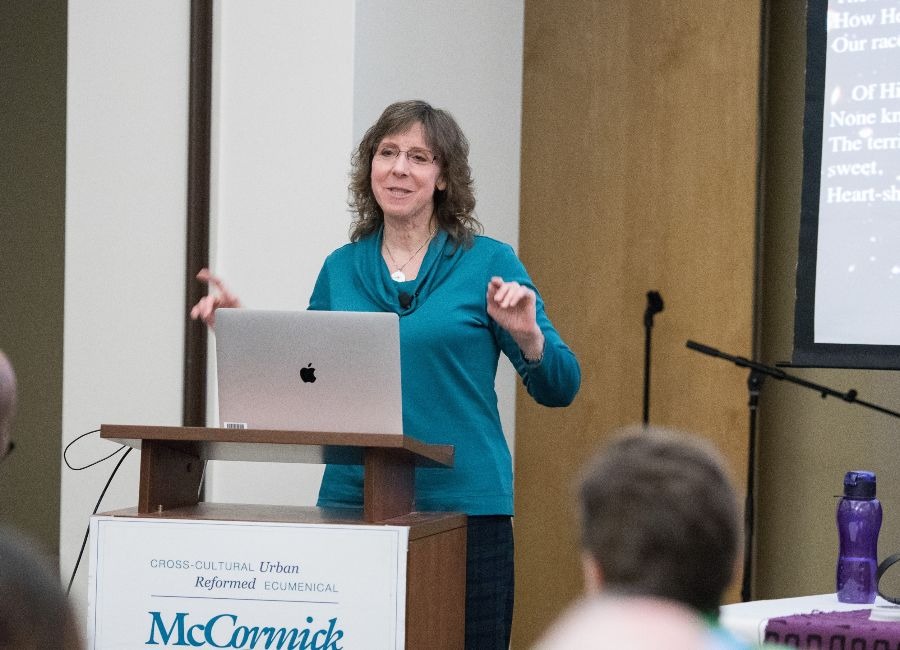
x=388 y=154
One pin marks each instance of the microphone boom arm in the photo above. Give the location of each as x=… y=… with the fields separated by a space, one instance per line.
x=758 y=372
x=778 y=373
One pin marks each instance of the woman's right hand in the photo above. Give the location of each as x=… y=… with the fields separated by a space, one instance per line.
x=205 y=309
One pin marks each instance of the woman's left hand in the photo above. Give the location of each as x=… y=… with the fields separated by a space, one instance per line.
x=513 y=307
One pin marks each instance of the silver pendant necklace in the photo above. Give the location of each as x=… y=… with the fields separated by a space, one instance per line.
x=398 y=275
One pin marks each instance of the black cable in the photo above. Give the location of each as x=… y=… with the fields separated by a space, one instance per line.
x=96 y=462
x=96 y=507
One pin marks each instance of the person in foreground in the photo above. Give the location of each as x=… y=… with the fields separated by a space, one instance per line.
x=463 y=298
x=34 y=612
x=660 y=535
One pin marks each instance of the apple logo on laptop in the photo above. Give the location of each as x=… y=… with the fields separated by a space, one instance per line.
x=308 y=374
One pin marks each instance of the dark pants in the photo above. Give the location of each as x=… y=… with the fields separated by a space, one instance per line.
x=489 y=582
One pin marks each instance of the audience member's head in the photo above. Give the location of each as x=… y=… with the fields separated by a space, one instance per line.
x=627 y=623
x=34 y=612
x=7 y=402
x=659 y=519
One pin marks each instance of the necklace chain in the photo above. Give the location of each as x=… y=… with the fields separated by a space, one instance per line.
x=398 y=272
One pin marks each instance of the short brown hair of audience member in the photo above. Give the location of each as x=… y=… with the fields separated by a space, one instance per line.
x=34 y=611
x=659 y=518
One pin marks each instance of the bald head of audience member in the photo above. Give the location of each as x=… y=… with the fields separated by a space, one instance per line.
x=659 y=518
x=611 y=623
x=7 y=402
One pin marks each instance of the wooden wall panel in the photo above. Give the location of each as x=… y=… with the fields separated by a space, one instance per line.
x=639 y=157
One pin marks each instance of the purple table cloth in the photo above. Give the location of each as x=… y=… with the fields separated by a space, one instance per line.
x=834 y=631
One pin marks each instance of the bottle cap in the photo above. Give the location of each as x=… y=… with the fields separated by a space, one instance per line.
x=859 y=484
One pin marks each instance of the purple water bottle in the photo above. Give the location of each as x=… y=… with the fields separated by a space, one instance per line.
x=858 y=523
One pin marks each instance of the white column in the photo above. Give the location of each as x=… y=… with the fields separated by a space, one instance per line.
x=126 y=186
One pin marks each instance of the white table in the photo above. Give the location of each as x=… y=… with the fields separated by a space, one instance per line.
x=748 y=620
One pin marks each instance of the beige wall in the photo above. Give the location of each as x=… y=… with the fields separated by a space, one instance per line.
x=807 y=443
x=639 y=154
x=32 y=224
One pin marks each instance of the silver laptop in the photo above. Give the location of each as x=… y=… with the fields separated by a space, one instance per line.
x=309 y=370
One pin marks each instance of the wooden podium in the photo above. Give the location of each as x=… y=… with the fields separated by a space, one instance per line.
x=172 y=463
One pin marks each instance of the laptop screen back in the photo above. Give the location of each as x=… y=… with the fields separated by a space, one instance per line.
x=309 y=370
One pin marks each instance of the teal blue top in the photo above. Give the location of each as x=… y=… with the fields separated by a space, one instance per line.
x=449 y=348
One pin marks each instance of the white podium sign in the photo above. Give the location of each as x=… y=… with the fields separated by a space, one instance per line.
x=156 y=583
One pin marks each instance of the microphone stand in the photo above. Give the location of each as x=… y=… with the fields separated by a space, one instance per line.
x=758 y=372
x=654 y=306
x=754 y=387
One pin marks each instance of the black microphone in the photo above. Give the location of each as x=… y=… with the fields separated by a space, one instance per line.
x=405 y=299
x=654 y=306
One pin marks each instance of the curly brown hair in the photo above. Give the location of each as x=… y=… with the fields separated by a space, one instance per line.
x=453 y=206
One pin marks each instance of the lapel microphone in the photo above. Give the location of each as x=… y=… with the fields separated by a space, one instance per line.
x=405 y=299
